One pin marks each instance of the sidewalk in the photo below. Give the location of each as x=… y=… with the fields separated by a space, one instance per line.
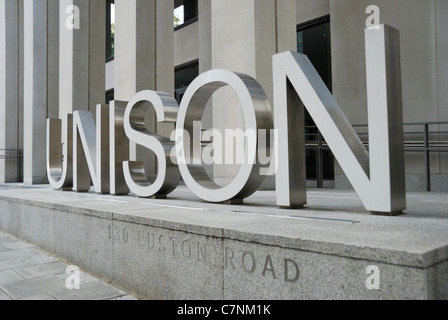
x=27 y=273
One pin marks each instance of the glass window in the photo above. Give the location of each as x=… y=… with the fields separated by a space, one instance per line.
x=110 y=29
x=185 y=11
x=183 y=77
x=314 y=40
x=110 y=96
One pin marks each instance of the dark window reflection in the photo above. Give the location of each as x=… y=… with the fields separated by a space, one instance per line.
x=314 y=40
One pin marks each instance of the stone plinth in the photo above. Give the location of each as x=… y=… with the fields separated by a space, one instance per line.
x=181 y=248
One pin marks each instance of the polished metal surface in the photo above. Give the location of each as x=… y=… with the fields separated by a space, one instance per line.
x=91 y=150
x=119 y=148
x=257 y=115
x=60 y=152
x=378 y=177
x=385 y=112
x=168 y=176
x=98 y=152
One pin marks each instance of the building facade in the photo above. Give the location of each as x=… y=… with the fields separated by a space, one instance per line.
x=59 y=56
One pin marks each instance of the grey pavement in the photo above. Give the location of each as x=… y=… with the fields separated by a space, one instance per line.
x=28 y=273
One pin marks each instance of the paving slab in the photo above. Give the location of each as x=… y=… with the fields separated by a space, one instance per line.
x=124 y=298
x=18 y=253
x=39 y=297
x=14 y=263
x=32 y=274
x=16 y=245
x=7 y=239
x=39 y=259
x=89 y=291
x=4 y=296
x=9 y=276
x=42 y=270
x=33 y=287
x=84 y=278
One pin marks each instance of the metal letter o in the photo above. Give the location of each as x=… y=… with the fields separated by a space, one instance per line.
x=257 y=116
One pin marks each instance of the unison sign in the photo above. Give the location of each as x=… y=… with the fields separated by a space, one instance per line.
x=99 y=153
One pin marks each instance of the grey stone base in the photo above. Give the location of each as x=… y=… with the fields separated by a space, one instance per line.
x=414 y=182
x=180 y=248
x=269 y=183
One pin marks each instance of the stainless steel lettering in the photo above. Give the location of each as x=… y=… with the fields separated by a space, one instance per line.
x=376 y=174
x=380 y=182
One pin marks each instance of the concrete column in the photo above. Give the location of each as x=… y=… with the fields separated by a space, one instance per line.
x=134 y=47
x=205 y=51
x=164 y=55
x=53 y=59
x=246 y=34
x=205 y=61
x=9 y=87
x=205 y=35
x=20 y=112
x=82 y=55
x=40 y=84
x=286 y=25
x=144 y=47
x=97 y=53
x=144 y=56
